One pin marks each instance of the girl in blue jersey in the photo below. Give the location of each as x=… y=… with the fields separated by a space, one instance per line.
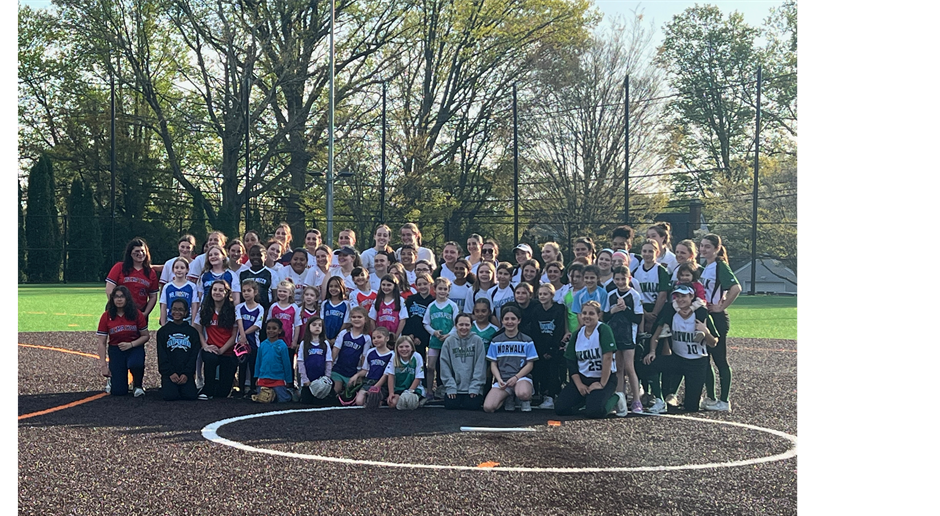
x=217 y=269
x=249 y=316
x=350 y=346
x=314 y=360
x=335 y=308
x=372 y=373
x=178 y=287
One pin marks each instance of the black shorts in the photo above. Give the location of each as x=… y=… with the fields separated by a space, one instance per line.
x=625 y=345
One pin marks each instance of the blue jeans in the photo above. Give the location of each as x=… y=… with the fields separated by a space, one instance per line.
x=120 y=362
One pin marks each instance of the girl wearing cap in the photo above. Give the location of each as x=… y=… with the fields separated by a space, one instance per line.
x=522 y=253
x=721 y=289
x=348 y=260
x=693 y=333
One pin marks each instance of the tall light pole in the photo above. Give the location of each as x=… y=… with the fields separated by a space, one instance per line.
x=329 y=167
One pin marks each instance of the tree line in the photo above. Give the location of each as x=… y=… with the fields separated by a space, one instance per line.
x=195 y=80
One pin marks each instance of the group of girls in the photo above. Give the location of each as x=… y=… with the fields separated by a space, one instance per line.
x=323 y=326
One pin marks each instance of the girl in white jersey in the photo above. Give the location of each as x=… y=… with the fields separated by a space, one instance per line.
x=721 y=289
x=660 y=232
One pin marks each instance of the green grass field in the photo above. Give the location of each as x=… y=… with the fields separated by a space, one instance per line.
x=78 y=307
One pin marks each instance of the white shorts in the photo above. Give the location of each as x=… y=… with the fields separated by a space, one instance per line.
x=510 y=390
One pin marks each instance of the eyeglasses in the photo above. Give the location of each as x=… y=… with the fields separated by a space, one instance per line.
x=487 y=251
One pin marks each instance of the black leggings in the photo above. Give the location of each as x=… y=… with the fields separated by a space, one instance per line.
x=227 y=364
x=674 y=368
x=597 y=404
x=719 y=355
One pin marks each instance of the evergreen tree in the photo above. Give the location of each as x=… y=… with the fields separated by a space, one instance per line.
x=44 y=258
x=84 y=255
x=21 y=234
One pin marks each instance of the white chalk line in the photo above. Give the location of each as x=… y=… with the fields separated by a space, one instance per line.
x=210 y=432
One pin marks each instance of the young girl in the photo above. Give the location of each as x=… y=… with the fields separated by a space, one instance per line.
x=584 y=248
x=689 y=273
x=482 y=317
x=135 y=273
x=235 y=250
x=484 y=281
x=692 y=333
x=474 y=248
x=217 y=269
x=263 y=276
x=555 y=271
x=272 y=256
x=409 y=258
x=273 y=365
x=463 y=367
x=287 y=312
x=449 y=255
x=310 y=305
x=625 y=316
x=604 y=263
x=178 y=287
x=410 y=235
x=217 y=332
x=590 y=359
x=372 y=373
x=362 y=295
x=177 y=347
x=398 y=271
x=532 y=273
x=389 y=310
x=550 y=333
x=721 y=289
x=249 y=316
x=348 y=260
x=502 y=293
x=575 y=283
x=686 y=253
x=296 y=272
x=462 y=284
x=653 y=280
x=381 y=236
x=283 y=235
x=311 y=242
x=335 y=308
x=551 y=252
x=417 y=305
x=314 y=359
x=185 y=246
x=511 y=355
x=122 y=333
x=660 y=232
x=439 y=321
x=198 y=264
x=405 y=371
x=251 y=239
x=350 y=346
x=522 y=299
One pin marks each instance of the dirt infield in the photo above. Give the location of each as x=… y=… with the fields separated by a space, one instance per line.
x=147 y=456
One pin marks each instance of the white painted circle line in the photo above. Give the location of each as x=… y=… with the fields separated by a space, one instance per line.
x=210 y=432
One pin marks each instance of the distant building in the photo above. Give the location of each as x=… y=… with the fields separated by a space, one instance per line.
x=772 y=277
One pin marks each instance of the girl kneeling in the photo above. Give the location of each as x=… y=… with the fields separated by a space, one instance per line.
x=590 y=359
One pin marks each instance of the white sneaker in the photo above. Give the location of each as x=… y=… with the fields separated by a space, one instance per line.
x=706 y=403
x=107 y=386
x=547 y=403
x=138 y=392
x=659 y=407
x=719 y=406
x=526 y=406
x=622 y=410
x=510 y=404
x=672 y=400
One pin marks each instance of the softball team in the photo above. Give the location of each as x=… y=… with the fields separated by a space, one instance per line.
x=410 y=327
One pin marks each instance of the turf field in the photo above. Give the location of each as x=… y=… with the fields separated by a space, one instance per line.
x=78 y=307
x=81 y=452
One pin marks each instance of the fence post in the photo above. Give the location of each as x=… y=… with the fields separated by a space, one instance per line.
x=65 y=254
x=754 y=203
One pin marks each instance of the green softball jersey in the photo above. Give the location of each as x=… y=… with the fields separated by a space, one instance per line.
x=406 y=373
x=572 y=317
x=652 y=281
x=440 y=316
x=485 y=333
x=588 y=351
x=717 y=278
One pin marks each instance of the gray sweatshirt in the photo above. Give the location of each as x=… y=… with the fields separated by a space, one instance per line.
x=463 y=364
